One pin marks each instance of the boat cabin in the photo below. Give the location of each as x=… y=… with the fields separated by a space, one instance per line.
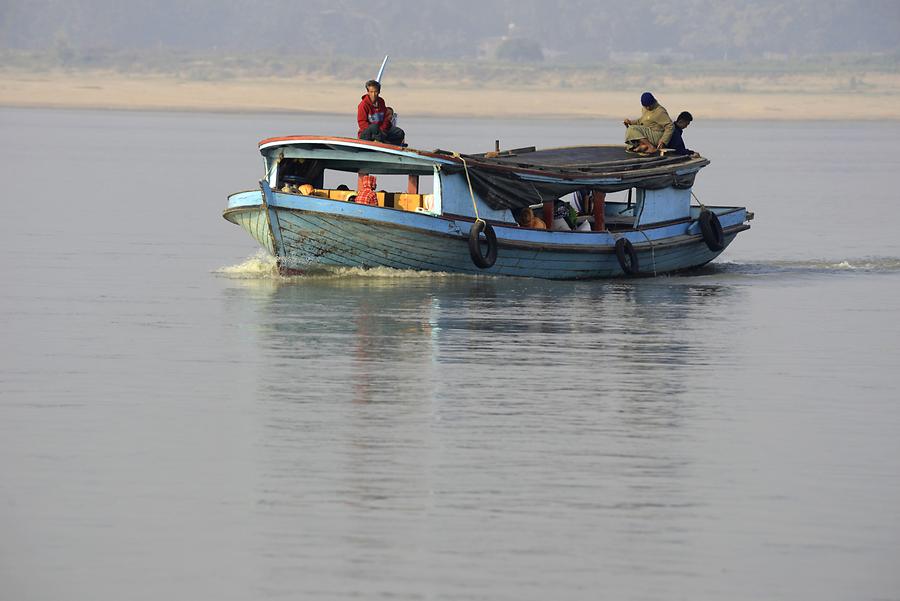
x=607 y=188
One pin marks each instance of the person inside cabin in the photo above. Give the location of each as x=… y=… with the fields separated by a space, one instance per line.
x=676 y=142
x=527 y=218
x=565 y=217
x=652 y=131
x=376 y=119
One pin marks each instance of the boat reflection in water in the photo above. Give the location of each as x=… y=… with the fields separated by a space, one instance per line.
x=408 y=336
x=467 y=417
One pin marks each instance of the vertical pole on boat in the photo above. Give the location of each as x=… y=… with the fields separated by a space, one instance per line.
x=361 y=174
x=548 y=213
x=599 y=208
x=496 y=145
x=412 y=185
x=381 y=70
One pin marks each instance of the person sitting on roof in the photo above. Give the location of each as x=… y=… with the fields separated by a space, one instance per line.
x=376 y=119
x=676 y=142
x=527 y=218
x=652 y=130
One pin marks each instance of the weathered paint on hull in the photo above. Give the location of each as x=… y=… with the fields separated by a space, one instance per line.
x=311 y=239
x=256 y=224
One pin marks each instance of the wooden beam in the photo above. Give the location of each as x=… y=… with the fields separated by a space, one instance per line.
x=599 y=213
x=548 y=213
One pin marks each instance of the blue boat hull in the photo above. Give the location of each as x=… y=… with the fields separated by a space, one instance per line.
x=306 y=233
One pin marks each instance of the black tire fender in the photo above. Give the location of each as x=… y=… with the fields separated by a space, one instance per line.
x=711 y=230
x=627 y=256
x=487 y=260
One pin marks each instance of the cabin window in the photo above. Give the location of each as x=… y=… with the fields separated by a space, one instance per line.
x=397 y=191
x=388 y=183
x=299 y=171
x=426 y=184
x=618 y=212
x=334 y=179
x=621 y=196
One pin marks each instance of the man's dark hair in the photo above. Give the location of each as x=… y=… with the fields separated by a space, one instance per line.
x=685 y=116
x=373 y=84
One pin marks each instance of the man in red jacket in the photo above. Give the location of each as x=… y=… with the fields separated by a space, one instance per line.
x=375 y=118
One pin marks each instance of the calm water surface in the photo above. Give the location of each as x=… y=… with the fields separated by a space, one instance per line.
x=178 y=423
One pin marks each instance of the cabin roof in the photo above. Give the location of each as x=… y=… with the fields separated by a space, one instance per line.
x=511 y=178
x=565 y=160
x=577 y=158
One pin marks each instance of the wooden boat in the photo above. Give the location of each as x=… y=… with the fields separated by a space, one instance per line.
x=466 y=222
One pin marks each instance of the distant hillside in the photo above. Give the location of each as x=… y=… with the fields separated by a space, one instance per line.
x=529 y=31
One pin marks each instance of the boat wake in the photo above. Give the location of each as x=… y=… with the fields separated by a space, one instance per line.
x=257 y=267
x=262 y=266
x=814 y=266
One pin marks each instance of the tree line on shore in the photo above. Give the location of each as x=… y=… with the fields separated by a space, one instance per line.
x=525 y=31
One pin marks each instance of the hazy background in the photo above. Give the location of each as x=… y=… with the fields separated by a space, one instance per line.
x=158 y=35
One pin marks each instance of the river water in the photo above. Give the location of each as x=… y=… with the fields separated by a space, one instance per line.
x=176 y=422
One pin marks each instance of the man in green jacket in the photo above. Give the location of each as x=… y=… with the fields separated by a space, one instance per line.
x=652 y=130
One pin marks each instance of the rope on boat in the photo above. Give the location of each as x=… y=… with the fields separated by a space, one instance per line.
x=700 y=202
x=537 y=193
x=469 y=181
x=652 y=251
x=472 y=194
x=480 y=225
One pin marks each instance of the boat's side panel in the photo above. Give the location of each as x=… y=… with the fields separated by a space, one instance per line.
x=272 y=215
x=315 y=232
x=456 y=199
x=320 y=239
x=253 y=219
x=250 y=198
x=665 y=204
x=315 y=239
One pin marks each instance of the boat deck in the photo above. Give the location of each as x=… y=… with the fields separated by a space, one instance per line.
x=578 y=158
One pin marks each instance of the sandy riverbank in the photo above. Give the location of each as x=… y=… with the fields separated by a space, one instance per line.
x=412 y=98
